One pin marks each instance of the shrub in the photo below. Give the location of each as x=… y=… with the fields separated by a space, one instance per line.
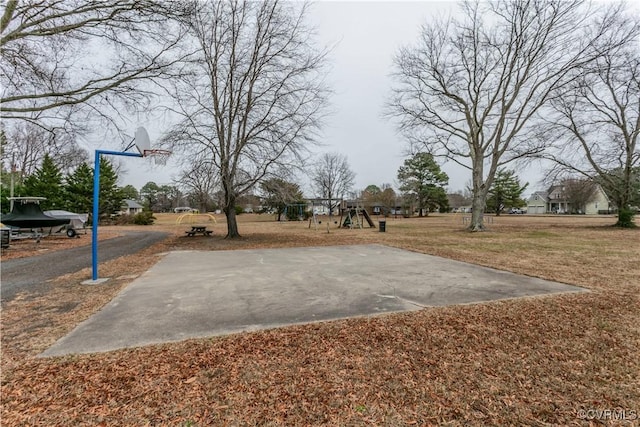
x=625 y=219
x=144 y=218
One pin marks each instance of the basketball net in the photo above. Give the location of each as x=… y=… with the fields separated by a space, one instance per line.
x=159 y=157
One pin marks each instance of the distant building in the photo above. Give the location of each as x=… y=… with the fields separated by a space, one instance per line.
x=130 y=207
x=184 y=209
x=537 y=203
x=458 y=203
x=558 y=200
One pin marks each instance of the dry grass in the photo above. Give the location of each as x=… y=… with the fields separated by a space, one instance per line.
x=531 y=361
x=22 y=248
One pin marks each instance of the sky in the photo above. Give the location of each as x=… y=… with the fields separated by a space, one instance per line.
x=364 y=37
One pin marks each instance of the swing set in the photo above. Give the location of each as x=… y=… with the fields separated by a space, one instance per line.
x=350 y=216
x=295 y=211
x=355 y=216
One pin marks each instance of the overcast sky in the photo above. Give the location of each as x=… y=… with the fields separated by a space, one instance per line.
x=365 y=37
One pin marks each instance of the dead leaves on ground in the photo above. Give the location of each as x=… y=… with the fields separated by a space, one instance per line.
x=529 y=361
x=512 y=362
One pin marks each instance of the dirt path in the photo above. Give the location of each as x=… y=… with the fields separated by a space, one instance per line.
x=32 y=273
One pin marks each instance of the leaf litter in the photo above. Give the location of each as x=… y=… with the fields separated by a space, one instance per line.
x=529 y=361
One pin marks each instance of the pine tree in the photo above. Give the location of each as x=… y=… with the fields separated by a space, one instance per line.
x=421 y=178
x=111 y=196
x=130 y=192
x=80 y=189
x=47 y=182
x=505 y=192
x=149 y=195
x=279 y=193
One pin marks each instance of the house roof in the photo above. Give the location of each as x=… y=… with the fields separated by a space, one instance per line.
x=542 y=195
x=131 y=204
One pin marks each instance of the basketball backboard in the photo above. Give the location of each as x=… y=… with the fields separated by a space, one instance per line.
x=143 y=143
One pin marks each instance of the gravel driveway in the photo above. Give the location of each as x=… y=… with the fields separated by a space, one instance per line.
x=32 y=273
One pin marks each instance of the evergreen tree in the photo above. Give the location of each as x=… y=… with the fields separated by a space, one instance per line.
x=46 y=182
x=111 y=196
x=130 y=192
x=79 y=188
x=505 y=192
x=149 y=195
x=279 y=193
x=421 y=179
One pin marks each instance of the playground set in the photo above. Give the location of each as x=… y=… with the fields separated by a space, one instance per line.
x=352 y=215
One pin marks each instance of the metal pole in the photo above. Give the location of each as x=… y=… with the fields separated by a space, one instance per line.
x=94 y=219
x=96 y=205
x=13 y=172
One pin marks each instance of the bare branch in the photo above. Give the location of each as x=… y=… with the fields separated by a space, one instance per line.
x=253 y=96
x=473 y=87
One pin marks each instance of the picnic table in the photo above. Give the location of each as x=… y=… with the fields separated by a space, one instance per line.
x=198 y=229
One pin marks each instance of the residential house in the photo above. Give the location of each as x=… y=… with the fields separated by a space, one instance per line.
x=458 y=203
x=599 y=203
x=249 y=203
x=130 y=207
x=537 y=203
x=558 y=199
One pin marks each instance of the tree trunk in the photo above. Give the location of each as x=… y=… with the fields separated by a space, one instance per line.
x=232 y=222
x=625 y=212
x=479 y=200
x=477 y=213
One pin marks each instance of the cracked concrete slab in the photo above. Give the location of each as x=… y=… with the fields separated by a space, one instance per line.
x=191 y=294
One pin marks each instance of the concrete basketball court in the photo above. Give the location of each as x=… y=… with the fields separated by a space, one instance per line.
x=191 y=294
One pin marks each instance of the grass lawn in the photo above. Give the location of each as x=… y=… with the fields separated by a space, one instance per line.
x=530 y=361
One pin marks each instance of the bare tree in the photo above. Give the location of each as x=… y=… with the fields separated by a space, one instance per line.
x=252 y=97
x=64 y=58
x=471 y=88
x=579 y=192
x=332 y=178
x=200 y=181
x=595 y=128
x=26 y=144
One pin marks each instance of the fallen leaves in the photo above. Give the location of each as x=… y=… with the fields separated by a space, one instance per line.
x=528 y=361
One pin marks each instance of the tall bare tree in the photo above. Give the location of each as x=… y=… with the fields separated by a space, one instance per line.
x=64 y=58
x=471 y=88
x=26 y=144
x=596 y=125
x=200 y=181
x=252 y=97
x=578 y=192
x=332 y=178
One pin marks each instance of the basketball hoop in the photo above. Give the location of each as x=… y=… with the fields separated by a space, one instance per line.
x=159 y=157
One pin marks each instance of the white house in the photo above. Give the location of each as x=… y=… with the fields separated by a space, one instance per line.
x=556 y=200
x=130 y=207
x=537 y=203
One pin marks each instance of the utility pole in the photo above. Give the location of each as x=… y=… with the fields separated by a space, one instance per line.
x=13 y=172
